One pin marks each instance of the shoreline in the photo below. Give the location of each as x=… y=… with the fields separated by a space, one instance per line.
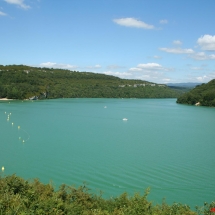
x=5 y=99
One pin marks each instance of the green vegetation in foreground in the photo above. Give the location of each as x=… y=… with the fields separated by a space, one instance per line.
x=24 y=82
x=201 y=95
x=18 y=196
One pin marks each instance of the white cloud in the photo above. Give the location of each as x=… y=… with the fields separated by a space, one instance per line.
x=2 y=14
x=211 y=56
x=135 y=69
x=48 y=64
x=125 y=75
x=150 y=66
x=19 y=3
x=196 y=68
x=202 y=56
x=199 y=56
x=177 y=42
x=57 y=66
x=153 y=72
x=163 y=21
x=201 y=74
x=207 y=42
x=202 y=78
x=132 y=22
x=153 y=76
x=177 y=50
x=97 y=66
x=149 y=71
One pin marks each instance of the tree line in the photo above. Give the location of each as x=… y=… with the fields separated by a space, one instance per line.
x=23 y=82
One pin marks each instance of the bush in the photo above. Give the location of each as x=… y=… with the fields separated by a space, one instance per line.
x=18 y=196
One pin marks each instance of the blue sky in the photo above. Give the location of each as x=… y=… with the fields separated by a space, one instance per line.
x=161 y=41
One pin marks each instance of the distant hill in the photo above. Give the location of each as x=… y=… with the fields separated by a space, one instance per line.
x=24 y=82
x=203 y=94
x=182 y=87
x=187 y=85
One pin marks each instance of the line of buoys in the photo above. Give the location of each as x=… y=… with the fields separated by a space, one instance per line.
x=19 y=128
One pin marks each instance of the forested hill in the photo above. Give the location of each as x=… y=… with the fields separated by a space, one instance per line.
x=23 y=82
x=201 y=95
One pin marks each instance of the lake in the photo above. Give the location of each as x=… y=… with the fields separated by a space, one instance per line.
x=162 y=145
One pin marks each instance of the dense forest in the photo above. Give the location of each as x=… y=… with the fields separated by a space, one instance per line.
x=24 y=82
x=201 y=95
x=24 y=197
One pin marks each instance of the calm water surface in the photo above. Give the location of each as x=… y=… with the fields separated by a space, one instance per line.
x=163 y=145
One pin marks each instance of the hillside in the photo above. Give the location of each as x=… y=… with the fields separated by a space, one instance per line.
x=201 y=95
x=182 y=87
x=24 y=82
x=185 y=85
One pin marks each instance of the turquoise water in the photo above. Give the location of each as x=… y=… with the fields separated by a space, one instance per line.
x=163 y=145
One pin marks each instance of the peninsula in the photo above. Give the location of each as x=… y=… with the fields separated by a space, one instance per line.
x=201 y=95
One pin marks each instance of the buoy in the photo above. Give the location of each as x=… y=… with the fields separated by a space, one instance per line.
x=12 y=123
x=18 y=127
x=23 y=141
x=2 y=169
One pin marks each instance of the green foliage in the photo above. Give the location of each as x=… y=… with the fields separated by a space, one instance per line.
x=21 y=197
x=204 y=94
x=181 y=89
x=22 y=82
